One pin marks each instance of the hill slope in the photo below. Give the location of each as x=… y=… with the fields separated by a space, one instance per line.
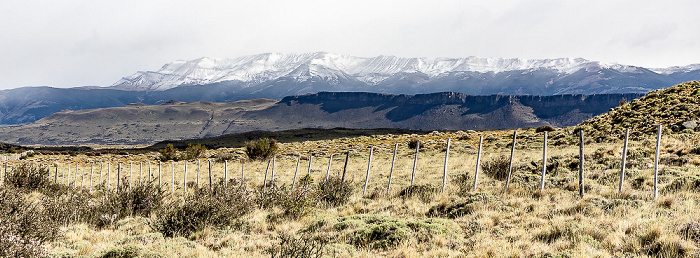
x=146 y=124
x=676 y=108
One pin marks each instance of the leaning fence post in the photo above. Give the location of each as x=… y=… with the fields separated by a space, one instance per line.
x=415 y=162
x=369 y=166
x=478 y=162
x=510 y=164
x=265 y=178
x=544 y=162
x=345 y=168
x=328 y=171
x=624 y=159
x=391 y=171
x=294 y=181
x=656 y=162
x=581 y=186
x=444 y=172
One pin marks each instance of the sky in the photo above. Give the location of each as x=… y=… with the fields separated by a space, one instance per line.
x=72 y=43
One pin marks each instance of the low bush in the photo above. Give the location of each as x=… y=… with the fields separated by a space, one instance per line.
x=335 y=192
x=307 y=245
x=23 y=229
x=545 y=128
x=169 y=153
x=28 y=177
x=261 y=149
x=193 y=152
x=496 y=167
x=424 y=192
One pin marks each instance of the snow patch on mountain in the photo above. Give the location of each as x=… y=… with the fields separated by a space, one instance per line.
x=335 y=68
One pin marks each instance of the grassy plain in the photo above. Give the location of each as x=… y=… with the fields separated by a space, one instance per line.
x=521 y=221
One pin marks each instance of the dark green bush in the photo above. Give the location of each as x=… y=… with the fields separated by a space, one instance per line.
x=194 y=152
x=141 y=200
x=261 y=149
x=545 y=128
x=307 y=245
x=169 y=153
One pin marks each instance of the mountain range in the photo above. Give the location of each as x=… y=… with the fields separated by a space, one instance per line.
x=276 y=76
x=174 y=120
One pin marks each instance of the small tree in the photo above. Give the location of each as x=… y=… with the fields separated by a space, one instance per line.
x=261 y=149
x=169 y=153
x=194 y=151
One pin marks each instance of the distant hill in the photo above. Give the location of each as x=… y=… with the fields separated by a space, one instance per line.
x=173 y=120
x=676 y=108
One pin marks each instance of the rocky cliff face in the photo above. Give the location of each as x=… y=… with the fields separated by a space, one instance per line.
x=146 y=124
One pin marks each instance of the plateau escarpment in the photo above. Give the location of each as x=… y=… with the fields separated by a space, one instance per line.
x=147 y=124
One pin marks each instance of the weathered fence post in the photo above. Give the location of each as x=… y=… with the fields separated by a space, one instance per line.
x=308 y=172
x=272 y=173
x=75 y=175
x=478 y=162
x=581 y=186
x=444 y=172
x=656 y=162
x=184 y=180
x=131 y=174
x=624 y=159
x=140 y=171
x=369 y=166
x=510 y=164
x=92 y=165
x=119 y=176
x=544 y=162
x=242 y=172
x=172 y=177
x=225 y=173
x=64 y=174
x=109 y=176
x=55 y=176
x=328 y=171
x=150 y=172
x=391 y=171
x=415 y=162
x=160 y=185
x=345 y=167
x=294 y=181
x=265 y=178
x=211 y=178
x=198 y=167
x=100 y=173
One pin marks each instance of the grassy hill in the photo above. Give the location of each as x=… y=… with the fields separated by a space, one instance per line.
x=670 y=107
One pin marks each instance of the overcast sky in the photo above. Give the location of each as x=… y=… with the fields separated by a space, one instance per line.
x=79 y=43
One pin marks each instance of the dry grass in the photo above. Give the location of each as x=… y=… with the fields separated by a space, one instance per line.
x=521 y=221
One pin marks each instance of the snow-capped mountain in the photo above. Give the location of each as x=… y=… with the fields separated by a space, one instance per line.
x=336 y=69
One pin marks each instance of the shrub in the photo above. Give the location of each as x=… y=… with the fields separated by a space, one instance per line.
x=545 y=128
x=29 y=177
x=307 y=245
x=335 y=192
x=462 y=181
x=22 y=227
x=424 y=192
x=194 y=151
x=496 y=167
x=218 y=207
x=221 y=157
x=413 y=143
x=140 y=200
x=261 y=149
x=169 y=153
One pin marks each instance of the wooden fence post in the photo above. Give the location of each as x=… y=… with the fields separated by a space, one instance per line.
x=345 y=167
x=624 y=159
x=55 y=176
x=415 y=162
x=184 y=180
x=265 y=178
x=272 y=173
x=544 y=162
x=581 y=186
x=160 y=185
x=131 y=174
x=369 y=166
x=109 y=176
x=211 y=178
x=294 y=181
x=101 y=164
x=308 y=172
x=75 y=176
x=656 y=162
x=510 y=164
x=225 y=173
x=119 y=176
x=140 y=171
x=391 y=171
x=150 y=172
x=478 y=162
x=444 y=172
x=198 y=167
x=172 y=177
x=64 y=173
x=242 y=172
x=92 y=165
x=328 y=171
